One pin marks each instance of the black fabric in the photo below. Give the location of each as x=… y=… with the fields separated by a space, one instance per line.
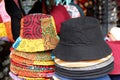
x=37 y=7
x=81 y=39
x=16 y=15
x=84 y=74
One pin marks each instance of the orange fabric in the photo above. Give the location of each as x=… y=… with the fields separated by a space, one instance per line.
x=9 y=31
x=22 y=60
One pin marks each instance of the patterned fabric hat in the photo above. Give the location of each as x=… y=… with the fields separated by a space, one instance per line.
x=38 y=33
x=15 y=77
x=33 y=68
x=28 y=62
x=44 y=55
x=25 y=73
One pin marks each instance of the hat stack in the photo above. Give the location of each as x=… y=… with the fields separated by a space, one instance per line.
x=31 y=57
x=81 y=52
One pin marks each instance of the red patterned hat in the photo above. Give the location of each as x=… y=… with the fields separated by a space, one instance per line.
x=37 y=33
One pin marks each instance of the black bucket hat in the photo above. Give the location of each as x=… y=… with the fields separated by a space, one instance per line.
x=81 y=39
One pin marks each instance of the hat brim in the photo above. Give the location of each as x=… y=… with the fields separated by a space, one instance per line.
x=82 y=52
x=84 y=74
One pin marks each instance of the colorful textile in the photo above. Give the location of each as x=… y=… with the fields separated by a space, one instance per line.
x=29 y=78
x=9 y=31
x=44 y=55
x=38 y=33
x=22 y=60
x=31 y=70
x=2 y=30
x=5 y=31
x=34 y=68
x=21 y=72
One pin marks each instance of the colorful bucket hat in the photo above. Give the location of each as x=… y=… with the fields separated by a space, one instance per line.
x=44 y=55
x=38 y=33
x=33 y=68
x=81 y=39
x=22 y=72
x=46 y=70
x=28 y=62
x=29 y=78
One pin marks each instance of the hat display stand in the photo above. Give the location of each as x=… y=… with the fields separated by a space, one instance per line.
x=34 y=60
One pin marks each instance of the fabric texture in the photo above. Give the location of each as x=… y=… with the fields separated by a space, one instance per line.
x=20 y=72
x=14 y=77
x=60 y=15
x=115 y=31
x=115 y=46
x=37 y=33
x=44 y=55
x=72 y=10
x=77 y=64
x=1 y=19
x=30 y=62
x=33 y=68
x=5 y=23
x=16 y=14
x=5 y=16
x=84 y=74
x=93 y=67
x=81 y=39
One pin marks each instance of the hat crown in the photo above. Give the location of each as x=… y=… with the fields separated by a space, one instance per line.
x=82 y=30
